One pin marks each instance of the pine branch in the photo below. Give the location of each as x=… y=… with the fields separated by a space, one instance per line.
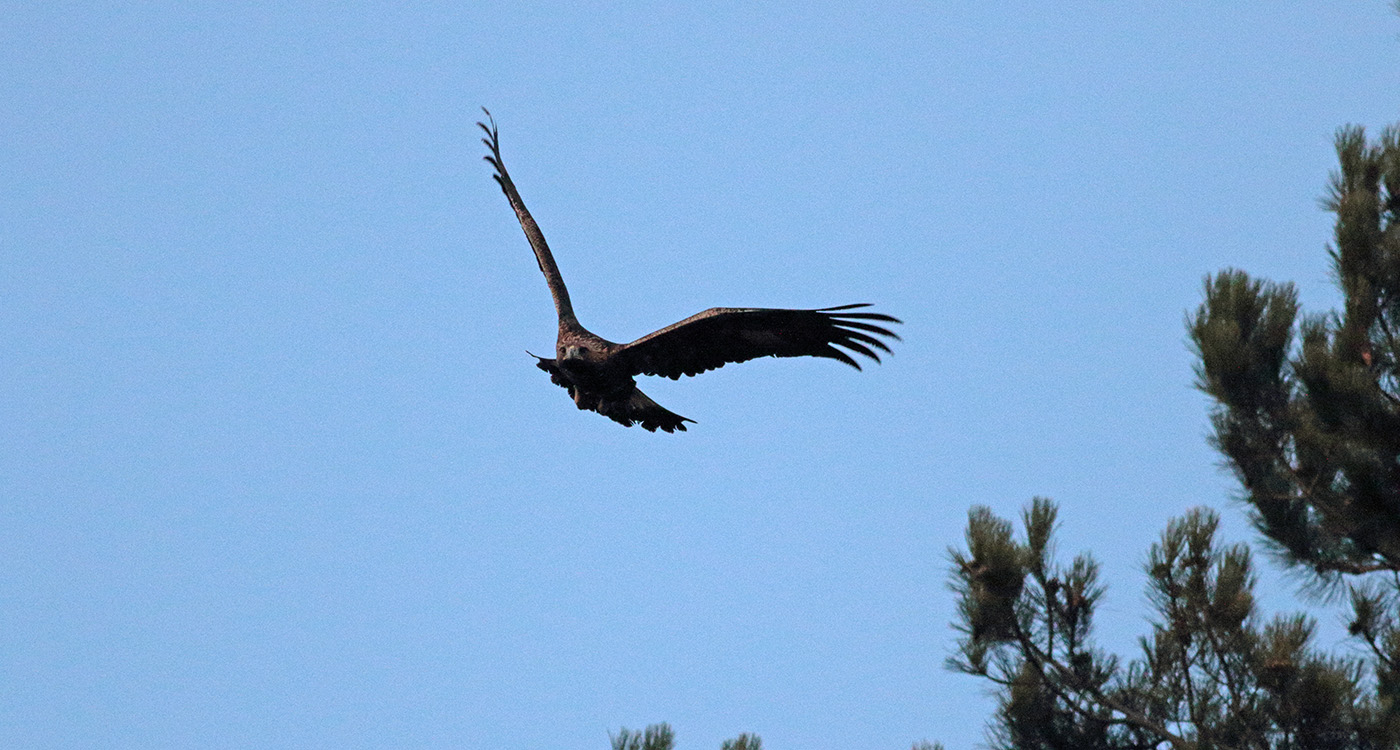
x=1039 y=659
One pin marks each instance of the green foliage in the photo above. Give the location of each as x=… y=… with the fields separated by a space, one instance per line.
x=1308 y=416
x=654 y=737
x=1312 y=428
x=660 y=737
x=743 y=742
x=1212 y=674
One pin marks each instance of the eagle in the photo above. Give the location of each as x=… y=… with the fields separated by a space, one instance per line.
x=600 y=375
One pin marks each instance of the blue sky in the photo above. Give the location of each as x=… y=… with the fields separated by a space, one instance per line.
x=278 y=471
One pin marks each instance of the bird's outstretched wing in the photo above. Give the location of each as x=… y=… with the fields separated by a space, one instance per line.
x=722 y=335
x=632 y=407
x=543 y=257
x=502 y=177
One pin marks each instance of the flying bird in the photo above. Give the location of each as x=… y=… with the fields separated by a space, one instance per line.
x=600 y=375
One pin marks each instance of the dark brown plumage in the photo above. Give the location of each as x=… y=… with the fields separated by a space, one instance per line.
x=600 y=375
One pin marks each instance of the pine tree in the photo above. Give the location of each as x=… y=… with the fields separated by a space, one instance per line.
x=654 y=737
x=1308 y=417
x=1315 y=438
x=1213 y=673
x=660 y=737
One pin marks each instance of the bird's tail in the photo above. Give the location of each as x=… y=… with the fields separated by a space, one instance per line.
x=638 y=408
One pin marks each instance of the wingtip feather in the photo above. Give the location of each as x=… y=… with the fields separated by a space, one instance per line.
x=871 y=340
x=832 y=352
x=856 y=346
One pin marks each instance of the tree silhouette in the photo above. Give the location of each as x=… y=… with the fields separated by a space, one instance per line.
x=1307 y=416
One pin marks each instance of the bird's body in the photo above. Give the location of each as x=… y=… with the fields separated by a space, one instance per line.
x=600 y=375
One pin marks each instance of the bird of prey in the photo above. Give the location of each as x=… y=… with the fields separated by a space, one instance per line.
x=600 y=375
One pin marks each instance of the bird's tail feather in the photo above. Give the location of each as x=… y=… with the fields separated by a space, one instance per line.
x=638 y=408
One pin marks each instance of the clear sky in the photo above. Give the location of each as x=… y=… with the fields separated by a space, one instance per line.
x=276 y=469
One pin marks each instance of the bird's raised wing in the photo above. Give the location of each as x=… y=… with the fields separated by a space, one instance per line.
x=562 y=305
x=722 y=335
x=502 y=177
